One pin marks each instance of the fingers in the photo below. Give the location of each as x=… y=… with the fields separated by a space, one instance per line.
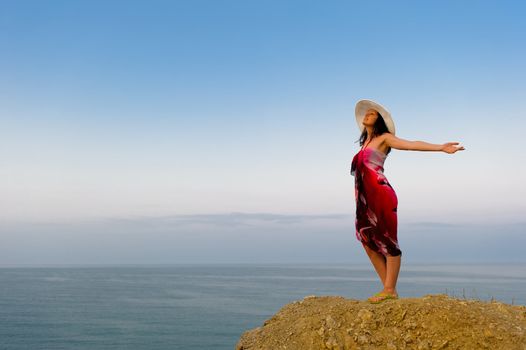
x=452 y=147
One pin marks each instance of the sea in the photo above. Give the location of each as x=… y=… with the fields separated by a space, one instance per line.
x=203 y=306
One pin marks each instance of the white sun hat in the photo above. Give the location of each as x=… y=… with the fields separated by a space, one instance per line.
x=361 y=108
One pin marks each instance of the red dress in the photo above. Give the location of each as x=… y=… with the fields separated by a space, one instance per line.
x=376 y=203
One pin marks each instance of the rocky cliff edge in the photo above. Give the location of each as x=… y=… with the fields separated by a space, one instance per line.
x=429 y=322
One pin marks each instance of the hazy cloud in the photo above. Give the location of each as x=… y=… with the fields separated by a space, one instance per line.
x=231 y=220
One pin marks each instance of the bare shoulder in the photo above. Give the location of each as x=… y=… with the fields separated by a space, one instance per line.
x=392 y=141
x=386 y=139
x=387 y=136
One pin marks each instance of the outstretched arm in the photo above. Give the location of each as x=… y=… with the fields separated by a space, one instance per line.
x=398 y=143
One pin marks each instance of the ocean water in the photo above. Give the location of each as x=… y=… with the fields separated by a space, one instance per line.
x=202 y=306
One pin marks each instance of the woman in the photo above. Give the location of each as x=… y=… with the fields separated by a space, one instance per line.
x=376 y=200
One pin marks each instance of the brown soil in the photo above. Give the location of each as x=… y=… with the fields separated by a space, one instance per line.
x=430 y=322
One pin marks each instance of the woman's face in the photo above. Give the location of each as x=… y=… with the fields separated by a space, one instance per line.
x=370 y=117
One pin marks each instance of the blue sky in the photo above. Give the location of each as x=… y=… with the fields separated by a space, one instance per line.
x=155 y=113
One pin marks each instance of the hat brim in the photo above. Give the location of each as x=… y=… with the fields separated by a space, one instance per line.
x=361 y=108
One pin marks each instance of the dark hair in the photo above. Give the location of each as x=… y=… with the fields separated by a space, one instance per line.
x=379 y=128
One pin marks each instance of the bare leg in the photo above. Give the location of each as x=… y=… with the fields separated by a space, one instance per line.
x=393 y=268
x=387 y=267
x=379 y=263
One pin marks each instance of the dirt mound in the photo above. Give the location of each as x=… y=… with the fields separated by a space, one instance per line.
x=430 y=322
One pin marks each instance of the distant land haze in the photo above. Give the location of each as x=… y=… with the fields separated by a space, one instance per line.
x=250 y=238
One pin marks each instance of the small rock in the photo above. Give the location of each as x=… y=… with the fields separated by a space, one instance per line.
x=365 y=314
x=391 y=346
x=408 y=338
x=484 y=344
x=330 y=322
x=424 y=345
x=412 y=325
x=362 y=339
x=332 y=344
x=444 y=344
x=349 y=343
x=403 y=315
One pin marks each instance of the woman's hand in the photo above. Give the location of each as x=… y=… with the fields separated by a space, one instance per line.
x=451 y=148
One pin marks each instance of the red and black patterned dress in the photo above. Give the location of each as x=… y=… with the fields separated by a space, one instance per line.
x=376 y=203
